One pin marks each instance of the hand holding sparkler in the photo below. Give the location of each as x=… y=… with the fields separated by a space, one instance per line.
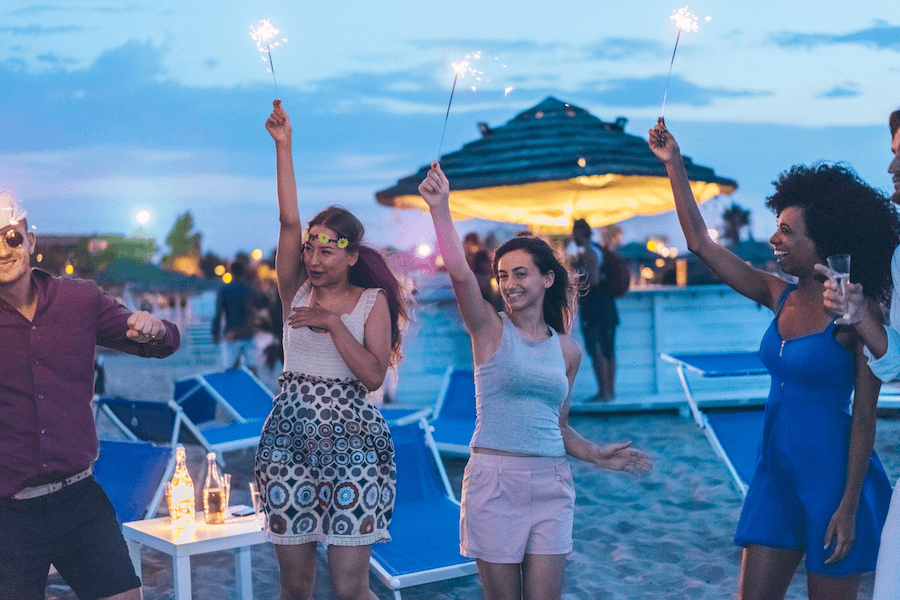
x=279 y=124
x=435 y=188
x=662 y=144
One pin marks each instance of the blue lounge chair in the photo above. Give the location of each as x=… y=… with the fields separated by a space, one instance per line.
x=134 y=476
x=245 y=398
x=425 y=527
x=237 y=391
x=168 y=423
x=454 y=423
x=733 y=434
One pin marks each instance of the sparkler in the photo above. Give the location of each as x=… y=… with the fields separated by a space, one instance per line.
x=685 y=21
x=460 y=68
x=262 y=34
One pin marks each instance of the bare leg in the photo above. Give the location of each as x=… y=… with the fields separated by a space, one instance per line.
x=599 y=373
x=611 y=378
x=349 y=567
x=606 y=388
x=832 y=588
x=542 y=576
x=501 y=581
x=766 y=572
x=297 y=570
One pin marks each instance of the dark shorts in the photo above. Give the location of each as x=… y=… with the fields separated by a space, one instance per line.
x=599 y=339
x=75 y=529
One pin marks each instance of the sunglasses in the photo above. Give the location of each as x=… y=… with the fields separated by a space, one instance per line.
x=13 y=238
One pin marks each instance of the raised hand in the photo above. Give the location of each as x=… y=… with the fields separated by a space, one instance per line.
x=435 y=189
x=143 y=327
x=620 y=456
x=279 y=123
x=662 y=143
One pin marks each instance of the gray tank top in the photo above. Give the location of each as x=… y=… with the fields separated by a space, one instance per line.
x=518 y=394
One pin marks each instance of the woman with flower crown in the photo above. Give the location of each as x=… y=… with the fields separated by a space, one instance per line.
x=325 y=463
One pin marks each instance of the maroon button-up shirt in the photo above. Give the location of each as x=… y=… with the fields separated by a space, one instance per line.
x=47 y=378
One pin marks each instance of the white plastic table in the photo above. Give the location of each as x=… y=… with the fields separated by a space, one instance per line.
x=237 y=533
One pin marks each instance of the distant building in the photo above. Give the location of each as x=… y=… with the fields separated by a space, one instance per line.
x=85 y=255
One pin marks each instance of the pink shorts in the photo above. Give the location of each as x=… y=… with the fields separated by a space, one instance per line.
x=513 y=506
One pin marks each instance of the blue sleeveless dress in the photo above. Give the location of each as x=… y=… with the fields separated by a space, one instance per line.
x=802 y=459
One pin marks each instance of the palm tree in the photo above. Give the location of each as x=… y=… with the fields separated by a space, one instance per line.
x=736 y=218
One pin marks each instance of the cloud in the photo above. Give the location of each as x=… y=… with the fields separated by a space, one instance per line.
x=39 y=9
x=641 y=92
x=55 y=60
x=488 y=48
x=36 y=30
x=621 y=48
x=846 y=90
x=882 y=36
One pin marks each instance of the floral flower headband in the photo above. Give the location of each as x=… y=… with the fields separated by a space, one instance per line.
x=324 y=239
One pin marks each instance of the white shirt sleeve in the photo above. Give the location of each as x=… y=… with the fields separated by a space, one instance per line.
x=887 y=368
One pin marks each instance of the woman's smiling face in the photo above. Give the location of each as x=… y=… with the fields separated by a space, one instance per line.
x=521 y=282
x=794 y=249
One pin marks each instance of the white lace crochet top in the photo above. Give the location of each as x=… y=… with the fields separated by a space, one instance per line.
x=309 y=352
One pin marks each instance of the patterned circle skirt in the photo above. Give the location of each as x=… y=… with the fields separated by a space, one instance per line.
x=325 y=465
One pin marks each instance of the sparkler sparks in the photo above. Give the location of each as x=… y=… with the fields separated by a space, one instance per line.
x=461 y=69
x=686 y=22
x=262 y=35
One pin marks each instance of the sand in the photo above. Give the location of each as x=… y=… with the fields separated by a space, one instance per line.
x=665 y=535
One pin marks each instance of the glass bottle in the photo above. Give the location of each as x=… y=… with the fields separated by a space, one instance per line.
x=181 y=492
x=214 y=502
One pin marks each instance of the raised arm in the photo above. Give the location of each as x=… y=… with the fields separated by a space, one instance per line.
x=289 y=257
x=479 y=316
x=753 y=283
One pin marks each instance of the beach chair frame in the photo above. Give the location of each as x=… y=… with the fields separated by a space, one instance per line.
x=747 y=364
x=398 y=582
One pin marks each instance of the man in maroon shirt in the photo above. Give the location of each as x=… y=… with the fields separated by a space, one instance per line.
x=52 y=511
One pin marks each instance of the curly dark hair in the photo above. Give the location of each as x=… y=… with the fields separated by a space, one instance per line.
x=559 y=308
x=843 y=215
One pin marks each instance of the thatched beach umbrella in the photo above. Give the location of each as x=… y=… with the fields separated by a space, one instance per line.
x=552 y=164
x=145 y=277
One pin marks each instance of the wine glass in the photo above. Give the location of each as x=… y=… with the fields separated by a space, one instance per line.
x=258 y=509
x=840 y=273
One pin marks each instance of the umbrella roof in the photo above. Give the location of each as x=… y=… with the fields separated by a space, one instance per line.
x=552 y=164
x=145 y=276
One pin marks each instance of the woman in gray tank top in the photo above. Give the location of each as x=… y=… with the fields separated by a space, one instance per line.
x=518 y=498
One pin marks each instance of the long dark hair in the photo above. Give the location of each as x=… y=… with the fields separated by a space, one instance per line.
x=370 y=270
x=559 y=311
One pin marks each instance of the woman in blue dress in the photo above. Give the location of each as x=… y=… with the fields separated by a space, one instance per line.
x=819 y=489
